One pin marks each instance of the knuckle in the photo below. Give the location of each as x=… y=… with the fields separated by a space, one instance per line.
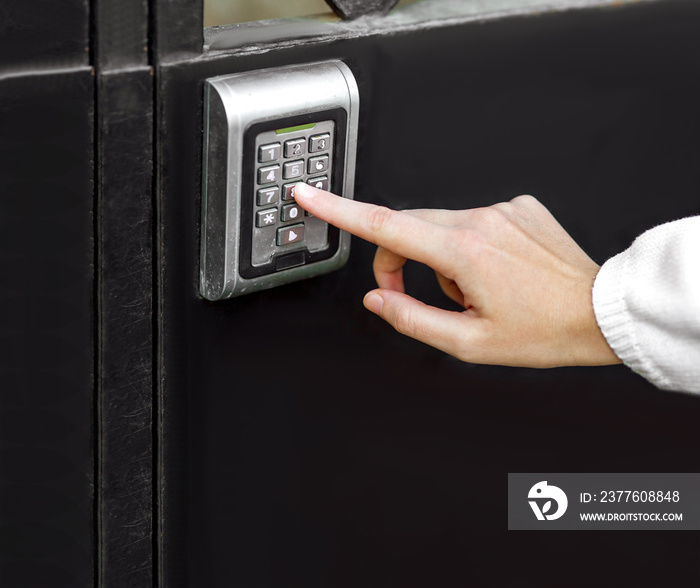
x=385 y=259
x=378 y=218
x=490 y=217
x=502 y=207
x=525 y=200
x=403 y=320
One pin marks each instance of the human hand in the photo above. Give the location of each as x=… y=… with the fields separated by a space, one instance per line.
x=525 y=285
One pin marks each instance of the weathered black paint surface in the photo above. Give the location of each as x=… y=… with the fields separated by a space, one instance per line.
x=43 y=34
x=121 y=34
x=125 y=353
x=124 y=227
x=46 y=329
x=177 y=29
x=62 y=523
x=305 y=443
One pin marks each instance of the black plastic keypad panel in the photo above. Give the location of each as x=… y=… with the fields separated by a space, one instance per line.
x=283 y=157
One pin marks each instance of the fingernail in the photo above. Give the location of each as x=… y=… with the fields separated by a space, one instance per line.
x=305 y=191
x=374 y=302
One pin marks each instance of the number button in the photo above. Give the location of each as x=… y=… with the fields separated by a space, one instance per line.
x=318 y=164
x=293 y=169
x=320 y=182
x=289 y=235
x=267 y=175
x=288 y=192
x=294 y=147
x=266 y=218
x=319 y=143
x=268 y=196
x=269 y=152
x=291 y=212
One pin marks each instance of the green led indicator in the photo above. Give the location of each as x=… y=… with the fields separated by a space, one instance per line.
x=295 y=129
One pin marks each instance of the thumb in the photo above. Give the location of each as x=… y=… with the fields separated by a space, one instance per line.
x=452 y=332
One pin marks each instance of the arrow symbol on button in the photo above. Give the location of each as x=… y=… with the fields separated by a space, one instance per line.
x=292 y=235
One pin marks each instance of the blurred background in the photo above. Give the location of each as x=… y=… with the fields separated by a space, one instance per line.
x=224 y=12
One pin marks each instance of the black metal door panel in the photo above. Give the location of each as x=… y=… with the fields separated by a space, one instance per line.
x=46 y=328
x=305 y=443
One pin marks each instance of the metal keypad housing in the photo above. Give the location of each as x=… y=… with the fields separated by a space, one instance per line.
x=265 y=131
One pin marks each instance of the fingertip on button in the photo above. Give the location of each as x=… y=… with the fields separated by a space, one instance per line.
x=305 y=191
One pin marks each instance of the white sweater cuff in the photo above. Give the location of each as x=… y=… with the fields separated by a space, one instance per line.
x=615 y=321
x=647 y=304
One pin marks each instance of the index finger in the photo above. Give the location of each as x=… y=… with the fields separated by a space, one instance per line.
x=405 y=234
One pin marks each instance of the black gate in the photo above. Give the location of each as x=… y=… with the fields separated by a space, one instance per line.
x=149 y=437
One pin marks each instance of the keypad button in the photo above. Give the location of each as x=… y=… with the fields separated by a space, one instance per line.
x=321 y=182
x=288 y=192
x=318 y=164
x=266 y=218
x=294 y=147
x=319 y=143
x=291 y=212
x=268 y=175
x=289 y=235
x=269 y=152
x=293 y=169
x=268 y=196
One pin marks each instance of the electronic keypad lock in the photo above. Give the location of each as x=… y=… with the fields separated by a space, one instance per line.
x=264 y=131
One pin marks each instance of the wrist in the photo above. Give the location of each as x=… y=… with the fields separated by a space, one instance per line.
x=591 y=346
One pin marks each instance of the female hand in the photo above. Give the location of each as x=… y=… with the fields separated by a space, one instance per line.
x=525 y=285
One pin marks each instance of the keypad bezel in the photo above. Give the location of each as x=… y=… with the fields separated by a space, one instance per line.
x=249 y=188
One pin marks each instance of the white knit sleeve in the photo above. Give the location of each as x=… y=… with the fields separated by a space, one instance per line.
x=647 y=304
